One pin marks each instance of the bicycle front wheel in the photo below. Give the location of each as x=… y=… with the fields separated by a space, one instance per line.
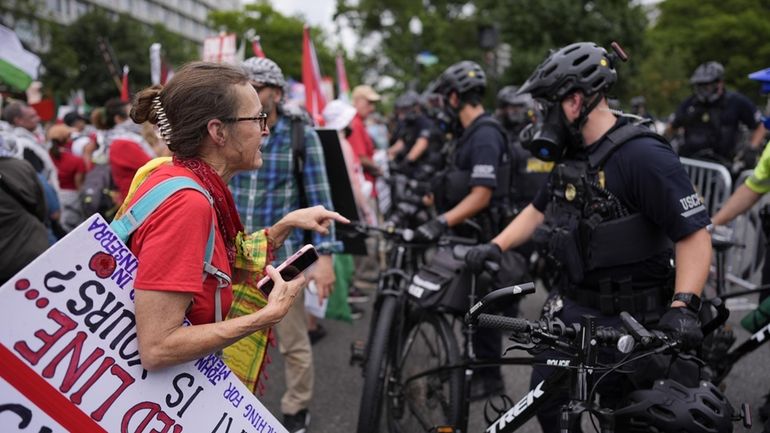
x=417 y=402
x=375 y=368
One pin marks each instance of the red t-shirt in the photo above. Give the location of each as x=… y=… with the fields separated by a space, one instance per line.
x=126 y=157
x=171 y=244
x=68 y=166
x=361 y=142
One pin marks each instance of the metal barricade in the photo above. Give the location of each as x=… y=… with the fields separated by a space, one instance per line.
x=711 y=180
x=744 y=265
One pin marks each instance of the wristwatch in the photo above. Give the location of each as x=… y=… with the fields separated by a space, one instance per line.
x=691 y=300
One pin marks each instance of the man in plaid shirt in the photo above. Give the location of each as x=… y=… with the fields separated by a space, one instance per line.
x=263 y=197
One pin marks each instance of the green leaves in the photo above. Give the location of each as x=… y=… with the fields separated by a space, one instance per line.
x=75 y=62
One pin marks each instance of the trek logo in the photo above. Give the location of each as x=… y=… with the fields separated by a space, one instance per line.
x=517 y=409
x=691 y=205
x=761 y=334
x=557 y=362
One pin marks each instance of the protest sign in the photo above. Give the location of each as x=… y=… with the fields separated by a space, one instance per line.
x=69 y=358
x=341 y=189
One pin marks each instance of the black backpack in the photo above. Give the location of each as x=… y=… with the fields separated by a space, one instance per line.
x=96 y=192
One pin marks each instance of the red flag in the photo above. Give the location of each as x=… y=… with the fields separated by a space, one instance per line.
x=342 y=79
x=256 y=47
x=124 y=87
x=311 y=78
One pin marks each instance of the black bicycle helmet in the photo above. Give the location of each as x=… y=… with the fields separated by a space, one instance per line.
x=509 y=95
x=708 y=73
x=580 y=66
x=407 y=100
x=462 y=77
x=670 y=407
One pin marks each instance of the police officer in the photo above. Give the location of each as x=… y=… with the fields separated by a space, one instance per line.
x=614 y=203
x=473 y=187
x=515 y=111
x=711 y=116
x=416 y=138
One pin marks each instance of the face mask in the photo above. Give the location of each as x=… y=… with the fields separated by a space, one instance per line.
x=547 y=139
x=514 y=117
x=707 y=93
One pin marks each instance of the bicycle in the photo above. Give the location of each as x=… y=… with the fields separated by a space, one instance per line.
x=579 y=365
x=392 y=322
x=580 y=343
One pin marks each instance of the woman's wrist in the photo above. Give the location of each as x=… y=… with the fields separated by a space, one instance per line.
x=278 y=233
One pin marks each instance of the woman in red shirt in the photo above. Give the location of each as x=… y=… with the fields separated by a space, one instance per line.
x=211 y=119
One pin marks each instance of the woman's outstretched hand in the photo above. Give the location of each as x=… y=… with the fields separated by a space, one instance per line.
x=315 y=218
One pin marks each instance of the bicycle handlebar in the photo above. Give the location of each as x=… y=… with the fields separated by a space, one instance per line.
x=556 y=330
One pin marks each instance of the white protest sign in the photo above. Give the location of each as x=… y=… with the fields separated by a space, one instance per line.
x=69 y=359
x=220 y=49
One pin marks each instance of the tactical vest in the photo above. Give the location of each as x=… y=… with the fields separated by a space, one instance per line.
x=703 y=130
x=528 y=174
x=453 y=185
x=586 y=227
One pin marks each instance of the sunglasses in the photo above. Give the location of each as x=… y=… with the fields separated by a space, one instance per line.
x=261 y=118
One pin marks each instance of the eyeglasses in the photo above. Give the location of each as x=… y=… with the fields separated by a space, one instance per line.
x=261 y=118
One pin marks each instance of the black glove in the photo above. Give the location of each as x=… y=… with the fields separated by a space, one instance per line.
x=476 y=256
x=431 y=230
x=684 y=324
x=407 y=167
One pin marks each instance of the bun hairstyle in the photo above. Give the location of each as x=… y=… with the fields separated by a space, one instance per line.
x=198 y=92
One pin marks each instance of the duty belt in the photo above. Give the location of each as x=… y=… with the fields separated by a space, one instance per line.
x=643 y=303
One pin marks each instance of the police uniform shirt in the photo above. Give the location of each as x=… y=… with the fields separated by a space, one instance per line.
x=481 y=154
x=647 y=177
x=420 y=127
x=703 y=131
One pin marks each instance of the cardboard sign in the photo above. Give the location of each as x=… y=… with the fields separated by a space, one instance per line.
x=69 y=358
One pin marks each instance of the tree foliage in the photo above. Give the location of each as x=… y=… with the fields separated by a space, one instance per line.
x=451 y=31
x=75 y=62
x=690 y=32
x=280 y=37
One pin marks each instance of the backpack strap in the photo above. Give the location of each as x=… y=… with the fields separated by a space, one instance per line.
x=138 y=213
x=297 y=135
x=615 y=139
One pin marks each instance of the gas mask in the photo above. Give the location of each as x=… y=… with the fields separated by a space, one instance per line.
x=707 y=93
x=514 y=116
x=547 y=139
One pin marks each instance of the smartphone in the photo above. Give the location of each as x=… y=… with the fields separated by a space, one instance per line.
x=291 y=267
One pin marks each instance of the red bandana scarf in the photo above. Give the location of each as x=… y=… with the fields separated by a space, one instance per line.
x=227 y=215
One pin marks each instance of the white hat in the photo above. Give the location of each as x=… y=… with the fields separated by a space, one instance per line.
x=338 y=114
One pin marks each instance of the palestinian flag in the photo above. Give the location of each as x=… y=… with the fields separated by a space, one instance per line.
x=18 y=67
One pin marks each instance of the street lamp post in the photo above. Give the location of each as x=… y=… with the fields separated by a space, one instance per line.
x=415 y=28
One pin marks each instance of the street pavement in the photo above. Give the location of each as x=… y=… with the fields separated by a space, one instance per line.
x=334 y=408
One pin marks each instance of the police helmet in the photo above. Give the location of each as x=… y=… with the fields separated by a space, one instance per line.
x=265 y=71
x=581 y=66
x=407 y=100
x=508 y=96
x=672 y=407
x=462 y=77
x=708 y=73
